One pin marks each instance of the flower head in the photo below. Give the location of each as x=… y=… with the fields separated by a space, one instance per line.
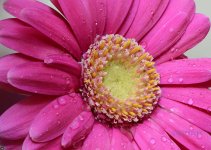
x=105 y=75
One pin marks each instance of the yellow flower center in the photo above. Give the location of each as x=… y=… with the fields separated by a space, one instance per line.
x=120 y=80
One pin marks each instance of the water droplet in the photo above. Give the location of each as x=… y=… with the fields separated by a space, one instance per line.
x=55 y=106
x=164 y=139
x=170 y=80
x=152 y=141
x=172 y=50
x=58 y=122
x=190 y=102
x=209 y=108
x=81 y=118
x=144 y=44
x=171 y=120
x=48 y=60
x=152 y=12
x=172 y=109
x=199 y=135
x=203 y=147
x=181 y=80
x=74 y=124
x=62 y=101
x=171 y=29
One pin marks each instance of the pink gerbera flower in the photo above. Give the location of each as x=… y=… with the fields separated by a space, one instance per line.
x=105 y=75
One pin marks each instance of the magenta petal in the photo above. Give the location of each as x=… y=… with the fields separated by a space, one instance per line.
x=97 y=139
x=185 y=71
x=78 y=129
x=167 y=35
x=24 y=39
x=98 y=13
x=195 y=33
x=14 y=7
x=54 y=144
x=171 y=32
x=79 y=16
x=149 y=136
x=15 y=122
x=56 y=4
x=52 y=121
x=117 y=11
x=119 y=141
x=9 y=61
x=65 y=63
x=149 y=12
x=129 y=19
x=39 y=78
x=59 y=32
x=198 y=97
x=184 y=132
x=190 y=114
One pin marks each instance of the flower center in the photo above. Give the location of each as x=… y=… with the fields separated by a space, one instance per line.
x=120 y=80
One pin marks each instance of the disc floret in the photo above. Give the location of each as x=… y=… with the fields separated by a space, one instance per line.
x=120 y=80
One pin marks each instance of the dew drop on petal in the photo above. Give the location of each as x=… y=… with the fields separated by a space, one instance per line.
x=170 y=80
x=181 y=80
x=164 y=139
x=74 y=124
x=190 y=101
x=209 y=108
x=152 y=141
x=61 y=101
x=48 y=61
x=55 y=106
x=81 y=118
x=199 y=135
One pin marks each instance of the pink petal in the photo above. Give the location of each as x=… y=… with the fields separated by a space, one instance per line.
x=14 y=7
x=56 y=4
x=130 y=18
x=39 y=78
x=117 y=11
x=78 y=129
x=150 y=136
x=195 y=33
x=185 y=71
x=65 y=63
x=79 y=16
x=198 y=97
x=180 y=11
x=98 y=13
x=59 y=32
x=149 y=12
x=119 y=141
x=194 y=116
x=167 y=35
x=15 y=122
x=135 y=146
x=9 y=61
x=52 y=121
x=24 y=39
x=97 y=139
x=54 y=144
x=185 y=133
x=8 y=87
